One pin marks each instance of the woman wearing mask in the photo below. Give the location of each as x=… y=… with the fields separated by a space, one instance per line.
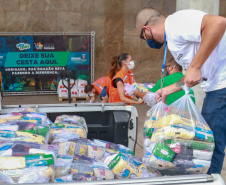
x=121 y=74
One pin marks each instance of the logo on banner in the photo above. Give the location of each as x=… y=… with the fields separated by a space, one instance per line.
x=49 y=46
x=38 y=45
x=75 y=59
x=83 y=56
x=23 y=46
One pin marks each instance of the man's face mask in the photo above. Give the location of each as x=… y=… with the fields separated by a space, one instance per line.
x=153 y=44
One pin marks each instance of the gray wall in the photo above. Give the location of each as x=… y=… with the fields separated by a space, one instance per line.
x=112 y=20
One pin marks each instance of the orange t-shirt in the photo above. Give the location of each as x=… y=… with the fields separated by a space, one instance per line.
x=126 y=77
x=100 y=83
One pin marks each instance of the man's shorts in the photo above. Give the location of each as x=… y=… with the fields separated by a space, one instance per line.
x=103 y=93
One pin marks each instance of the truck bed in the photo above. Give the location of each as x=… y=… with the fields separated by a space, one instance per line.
x=116 y=123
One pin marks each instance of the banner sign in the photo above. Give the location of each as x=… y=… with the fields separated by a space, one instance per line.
x=36 y=63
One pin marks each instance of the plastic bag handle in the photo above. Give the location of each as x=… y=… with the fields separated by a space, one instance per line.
x=186 y=89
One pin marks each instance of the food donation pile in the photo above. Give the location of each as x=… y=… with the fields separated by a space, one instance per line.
x=35 y=150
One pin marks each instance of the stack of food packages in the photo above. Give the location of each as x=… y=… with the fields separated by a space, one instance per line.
x=25 y=155
x=177 y=139
x=35 y=150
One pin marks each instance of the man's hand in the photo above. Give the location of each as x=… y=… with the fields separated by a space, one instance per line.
x=192 y=76
x=162 y=95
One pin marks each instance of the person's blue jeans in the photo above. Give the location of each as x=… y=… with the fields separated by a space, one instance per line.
x=214 y=112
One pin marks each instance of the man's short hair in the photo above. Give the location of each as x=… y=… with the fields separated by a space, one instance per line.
x=173 y=62
x=88 y=88
x=147 y=14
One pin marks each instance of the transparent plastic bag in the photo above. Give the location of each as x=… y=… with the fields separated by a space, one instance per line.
x=149 y=97
x=152 y=116
x=24 y=110
x=72 y=119
x=41 y=118
x=18 y=148
x=63 y=165
x=99 y=169
x=9 y=117
x=42 y=174
x=58 y=128
x=9 y=129
x=22 y=136
x=182 y=141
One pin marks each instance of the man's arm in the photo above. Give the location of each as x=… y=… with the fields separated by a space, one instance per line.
x=169 y=90
x=212 y=30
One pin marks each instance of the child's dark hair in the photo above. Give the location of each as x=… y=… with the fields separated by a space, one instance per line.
x=88 y=88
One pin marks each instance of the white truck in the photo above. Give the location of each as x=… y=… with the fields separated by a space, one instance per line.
x=116 y=123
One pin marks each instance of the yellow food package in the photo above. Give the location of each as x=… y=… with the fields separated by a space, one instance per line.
x=31 y=137
x=10 y=163
x=79 y=130
x=171 y=133
x=78 y=148
x=102 y=173
x=6 y=118
x=120 y=167
x=158 y=163
x=95 y=152
x=50 y=173
x=174 y=119
x=140 y=87
x=63 y=148
x=150 y=124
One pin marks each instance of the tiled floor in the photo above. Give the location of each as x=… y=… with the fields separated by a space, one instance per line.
x=52 y=99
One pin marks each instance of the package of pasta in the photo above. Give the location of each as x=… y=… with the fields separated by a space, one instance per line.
x=121 y=167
